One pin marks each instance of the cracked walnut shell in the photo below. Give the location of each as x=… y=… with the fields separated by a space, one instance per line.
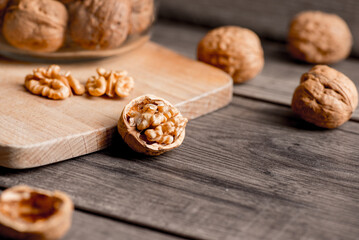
x=318 y=37
x=27 y=213
x=325 y=97
x=110 y=82
x=235 y=50
x=151 y=125
x=50 y=83
x=35 y=25
x=99 y=24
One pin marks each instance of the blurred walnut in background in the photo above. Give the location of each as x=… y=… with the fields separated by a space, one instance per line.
x=35 y=25
x=318 y=37
x=141 y=16
x=235 y=50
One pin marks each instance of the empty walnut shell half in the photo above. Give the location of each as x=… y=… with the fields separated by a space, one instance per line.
x=27 y=213
x=151 y=125
x=35 y=25
x=325 y=97
x=318 y=37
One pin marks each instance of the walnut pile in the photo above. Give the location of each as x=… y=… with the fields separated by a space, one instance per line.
x=35 y=25
x=27 y=213
x=325 y=97
x=318 y=37
x=50 y=83
x=142 y=15
x=110 y=83
x=99 y=24
x=151 y=125
x=235 y=50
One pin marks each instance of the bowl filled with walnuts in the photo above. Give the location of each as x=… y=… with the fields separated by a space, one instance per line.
x=73 y=29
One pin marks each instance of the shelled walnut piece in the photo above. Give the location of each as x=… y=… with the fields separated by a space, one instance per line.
x=151 y=125
x=111 y=83
x=50 y=83
x=27 y=213
x=325 y=97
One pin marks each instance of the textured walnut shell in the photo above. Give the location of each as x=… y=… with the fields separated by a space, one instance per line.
x=35 y=25
x=27 y=213
x=132 y=136
x=142 y=15
x=235 y=50
x=318 y=37
x=99 y=24
x=325 y=97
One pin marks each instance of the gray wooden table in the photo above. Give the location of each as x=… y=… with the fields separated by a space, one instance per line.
x=251 y=170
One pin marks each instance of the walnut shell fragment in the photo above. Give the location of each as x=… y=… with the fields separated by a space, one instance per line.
x=318 y=37
x=325 y=97
x=151 y=125
x=235 y=50
x=99 y=24
x=27 y=213
x=35 y=25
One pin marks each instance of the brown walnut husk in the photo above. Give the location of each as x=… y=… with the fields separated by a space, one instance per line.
x=35 y=25
x=99 y=24
x=235 y=50
x=137 y=140
x=319 y=38
x=27 y=213
x=325 y=97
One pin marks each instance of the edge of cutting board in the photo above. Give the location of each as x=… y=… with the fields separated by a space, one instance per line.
x=34 y=155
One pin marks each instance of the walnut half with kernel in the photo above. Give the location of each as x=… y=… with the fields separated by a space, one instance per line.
x=27 y=213
x=151 y=125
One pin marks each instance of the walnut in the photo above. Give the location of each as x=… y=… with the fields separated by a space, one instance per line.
x=110 y=82
x=35 y=25
x=151 y=125
x=27 y=213
x=50 y=83
x=235 y=50
x=142 y=15
x=325 y=97
x=99 y=24
x=318 y=37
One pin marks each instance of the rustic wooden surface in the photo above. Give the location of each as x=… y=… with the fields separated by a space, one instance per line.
x=38 y=131
x=251 y=170
x=270 y=19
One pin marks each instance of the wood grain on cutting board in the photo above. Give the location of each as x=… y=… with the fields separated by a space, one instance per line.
x=36 y=131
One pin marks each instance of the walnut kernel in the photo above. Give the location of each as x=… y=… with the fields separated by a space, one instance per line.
x=318 y=37
x=235 y=50
x=50 y=83
x=325 y=97
x=151 y=125
x=27 y=213
x=110 y=82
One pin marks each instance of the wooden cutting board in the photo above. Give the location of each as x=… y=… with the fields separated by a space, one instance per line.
x=37 y=131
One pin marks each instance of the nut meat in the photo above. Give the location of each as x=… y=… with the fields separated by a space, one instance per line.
x=35 y=25
x=50 y=83
x=152 y=125
x=99 y=24
x=325 y=97
x=27 y=213
x=318 y=37
x=235 y=50
x=110 y=82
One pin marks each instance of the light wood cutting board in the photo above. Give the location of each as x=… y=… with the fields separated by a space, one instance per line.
x=37 y=131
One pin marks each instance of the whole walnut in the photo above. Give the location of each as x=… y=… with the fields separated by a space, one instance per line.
x=35 y=25
x=99 y=24
x=318 y=37
x=142 y=15
x=325 y=97
x=235 y=50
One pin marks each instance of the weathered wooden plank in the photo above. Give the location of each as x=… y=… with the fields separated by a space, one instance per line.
x=252 y=170
x=280 y=76
x=270 y=19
